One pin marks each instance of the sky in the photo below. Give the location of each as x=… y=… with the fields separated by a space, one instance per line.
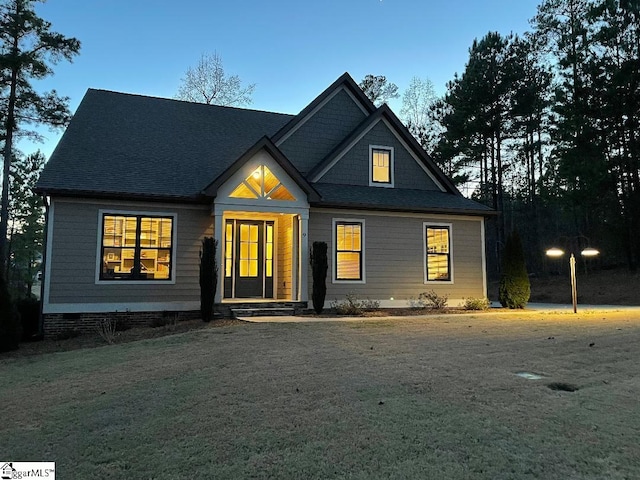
x=291 y=49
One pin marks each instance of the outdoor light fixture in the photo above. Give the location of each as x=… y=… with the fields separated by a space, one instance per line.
x=587 y=252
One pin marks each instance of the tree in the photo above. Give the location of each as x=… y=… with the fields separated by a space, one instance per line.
x=515 y=288
x=378 y=89
x=26 y=235
x=28 y=48
x=208 y=83
x=417 y=106
x=208 y=277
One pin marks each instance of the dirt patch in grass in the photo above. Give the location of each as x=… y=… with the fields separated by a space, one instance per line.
x=425 y=397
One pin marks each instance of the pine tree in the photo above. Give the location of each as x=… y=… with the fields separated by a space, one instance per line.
x=28 y=48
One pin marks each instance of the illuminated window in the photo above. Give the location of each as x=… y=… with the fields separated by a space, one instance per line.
x=262 y=183
x=136 y=247
x=381 y=166
x=438 y=253
x=228 y=250
x=248 y=258
x=348 y=251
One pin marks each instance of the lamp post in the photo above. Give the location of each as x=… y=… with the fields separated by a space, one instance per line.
x=587 y=252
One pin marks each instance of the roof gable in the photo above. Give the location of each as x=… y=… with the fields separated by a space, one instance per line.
x=310 y=136
x=344 y=81
x=385 y=116
x=267 y=145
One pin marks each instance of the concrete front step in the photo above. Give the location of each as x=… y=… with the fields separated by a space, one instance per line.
x=261 y=312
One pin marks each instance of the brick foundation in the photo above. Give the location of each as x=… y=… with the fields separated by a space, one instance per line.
x=68 y=323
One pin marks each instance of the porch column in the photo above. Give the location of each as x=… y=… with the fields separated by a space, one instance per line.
x=303 y=264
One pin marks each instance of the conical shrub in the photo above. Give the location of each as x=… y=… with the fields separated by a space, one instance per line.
x=515 y=288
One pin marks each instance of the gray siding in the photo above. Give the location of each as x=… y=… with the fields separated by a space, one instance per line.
x=353 y=167
x=73 y=260
x=322 y=132
x=394 y=256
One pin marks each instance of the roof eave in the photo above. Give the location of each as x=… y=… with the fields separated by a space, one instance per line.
x=62 y=192
x=413 y=209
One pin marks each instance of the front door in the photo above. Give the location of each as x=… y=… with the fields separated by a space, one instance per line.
x=253 y=255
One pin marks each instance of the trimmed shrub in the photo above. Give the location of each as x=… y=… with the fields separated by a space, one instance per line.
x=208 y=277
x=10 y=329
x=515 y=288
x=319 y=266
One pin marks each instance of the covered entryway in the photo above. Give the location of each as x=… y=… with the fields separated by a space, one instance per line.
x=261 y=255
x=261 y=218
x=249 y=251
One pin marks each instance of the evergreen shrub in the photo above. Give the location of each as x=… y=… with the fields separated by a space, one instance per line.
x=515 y=288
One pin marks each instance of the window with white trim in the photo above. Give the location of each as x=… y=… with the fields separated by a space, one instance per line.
x=380 y=166
x=348 y=257
x=437 y=253
x=136 y=247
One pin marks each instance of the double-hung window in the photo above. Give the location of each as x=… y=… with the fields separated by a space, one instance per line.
x=136 y=247
x=348 y=254
x=438 y=253
x=380 y=166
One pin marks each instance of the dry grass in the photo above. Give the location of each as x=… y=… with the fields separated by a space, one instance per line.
x=416 y=397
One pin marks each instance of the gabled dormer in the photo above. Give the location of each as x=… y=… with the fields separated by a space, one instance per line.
x=380 y=152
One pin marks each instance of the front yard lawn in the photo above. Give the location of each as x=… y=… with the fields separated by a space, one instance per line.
x=415 y=397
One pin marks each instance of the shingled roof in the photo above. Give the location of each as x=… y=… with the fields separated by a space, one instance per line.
x=134 y=146
x=397 y=199
x=150 y=147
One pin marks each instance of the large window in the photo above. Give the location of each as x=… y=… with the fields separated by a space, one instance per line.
x=348 y=250
x=381 y=166
x=136 y=247
x=438 y=253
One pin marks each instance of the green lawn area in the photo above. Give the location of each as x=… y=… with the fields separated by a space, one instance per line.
x=416 y=397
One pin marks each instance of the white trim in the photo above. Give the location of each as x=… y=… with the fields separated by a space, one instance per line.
x=174 y=246
x=119 y=307
x=316 y=109
x=334 y=247
x=425 y=225
x=48 y=255
x=391 y=166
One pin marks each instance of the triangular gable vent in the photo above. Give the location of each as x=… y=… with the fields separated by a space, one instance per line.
x=262 y=183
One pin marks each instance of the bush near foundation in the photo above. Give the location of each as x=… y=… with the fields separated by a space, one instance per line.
x=10 y=329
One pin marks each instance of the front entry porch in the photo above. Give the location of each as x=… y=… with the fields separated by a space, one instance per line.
x=261 y=258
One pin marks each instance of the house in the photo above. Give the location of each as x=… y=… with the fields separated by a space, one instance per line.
x=137 y=182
